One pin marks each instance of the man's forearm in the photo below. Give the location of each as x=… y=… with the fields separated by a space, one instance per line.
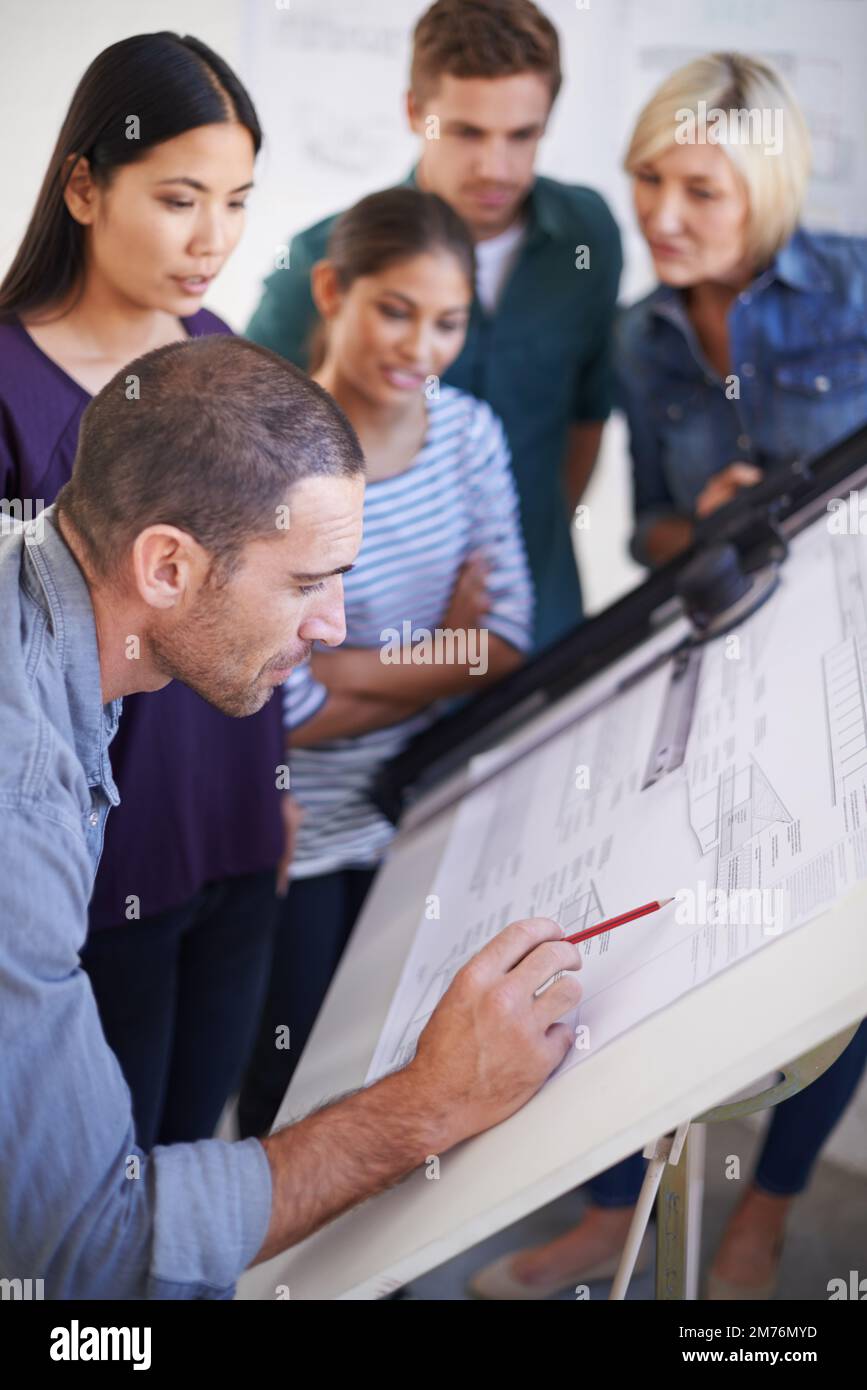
x=353 y=1149
x=582 y=450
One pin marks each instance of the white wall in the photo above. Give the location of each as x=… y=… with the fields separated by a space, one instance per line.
x=328 y=79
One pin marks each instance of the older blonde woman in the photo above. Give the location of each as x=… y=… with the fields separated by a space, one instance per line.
x=753 y=349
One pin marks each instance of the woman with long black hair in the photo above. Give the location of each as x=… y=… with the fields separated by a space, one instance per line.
x=141 y=205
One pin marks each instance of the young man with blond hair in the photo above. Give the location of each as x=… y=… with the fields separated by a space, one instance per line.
x=484 y=77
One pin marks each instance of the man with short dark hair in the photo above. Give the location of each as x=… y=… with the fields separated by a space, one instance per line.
x=168 y=556
x=484 y=77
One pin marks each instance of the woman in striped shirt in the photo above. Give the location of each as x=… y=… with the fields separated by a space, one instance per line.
x=438 y=605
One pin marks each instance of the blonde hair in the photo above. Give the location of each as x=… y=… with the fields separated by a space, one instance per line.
x=731 y=82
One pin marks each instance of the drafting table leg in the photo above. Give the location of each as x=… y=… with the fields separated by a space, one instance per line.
x=695 y=1178
x=679 y=1187
x=678 y=1217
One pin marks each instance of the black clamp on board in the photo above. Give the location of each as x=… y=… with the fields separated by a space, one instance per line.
x=718 y=591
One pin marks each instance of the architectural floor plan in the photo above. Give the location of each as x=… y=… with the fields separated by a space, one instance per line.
x=733 y=778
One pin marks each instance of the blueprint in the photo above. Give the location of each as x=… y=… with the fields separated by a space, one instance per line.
x=732 y=777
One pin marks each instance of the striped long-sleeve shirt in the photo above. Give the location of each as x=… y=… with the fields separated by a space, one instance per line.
x=457 y=497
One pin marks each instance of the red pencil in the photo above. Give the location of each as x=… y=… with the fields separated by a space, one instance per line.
x=618 y=921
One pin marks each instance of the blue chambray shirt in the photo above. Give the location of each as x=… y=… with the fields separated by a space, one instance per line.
x=69 y=1213
x=798 y=345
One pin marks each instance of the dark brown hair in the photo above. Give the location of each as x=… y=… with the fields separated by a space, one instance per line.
x=170 y=85
x=207 y=435
x=386 y=228
x=483 y=38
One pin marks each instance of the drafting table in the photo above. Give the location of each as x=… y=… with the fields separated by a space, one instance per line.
x=740 y=1025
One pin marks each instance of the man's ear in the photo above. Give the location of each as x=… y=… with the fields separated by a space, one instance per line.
x=168 y=566
x=327 y=294
x=80 y=193
x=413 y=114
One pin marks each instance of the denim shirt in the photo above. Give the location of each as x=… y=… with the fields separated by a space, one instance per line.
x=81 y=1206
x=798 y=347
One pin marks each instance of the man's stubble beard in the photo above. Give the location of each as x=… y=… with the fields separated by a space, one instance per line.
x=188 y=653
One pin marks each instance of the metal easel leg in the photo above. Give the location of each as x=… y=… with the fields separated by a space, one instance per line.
x=680 y=1185
x=679 y=1188
x=678 y=1217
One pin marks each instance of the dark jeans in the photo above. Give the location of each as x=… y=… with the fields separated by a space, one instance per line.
x=179 y=996
x=316 y=921
x=798 y=1129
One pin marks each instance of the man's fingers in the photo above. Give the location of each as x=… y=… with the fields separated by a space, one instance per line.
x=558 y=999
x=559 y=1039
x=545 y=962
x=512 y=944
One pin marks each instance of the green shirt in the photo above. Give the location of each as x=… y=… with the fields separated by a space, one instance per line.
x=542 y=361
